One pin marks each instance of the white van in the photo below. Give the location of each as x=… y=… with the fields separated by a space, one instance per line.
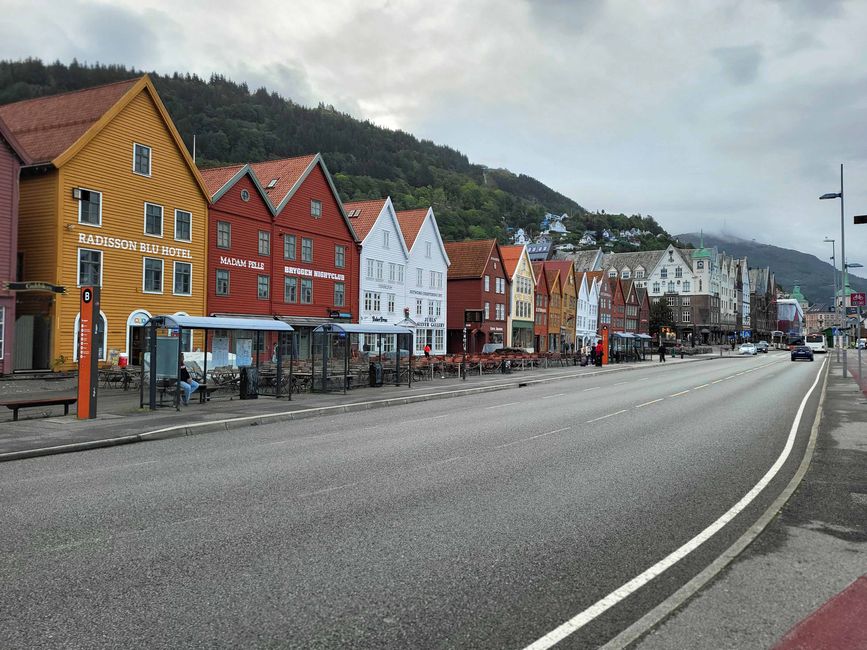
x=816 y=342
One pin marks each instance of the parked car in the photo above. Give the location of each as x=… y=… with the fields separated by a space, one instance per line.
x=762 y=346
x=747 y=348
x=802 y=352
x=861 y=344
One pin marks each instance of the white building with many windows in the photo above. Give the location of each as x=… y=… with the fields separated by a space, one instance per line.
x=383 y=266
x=426 y=279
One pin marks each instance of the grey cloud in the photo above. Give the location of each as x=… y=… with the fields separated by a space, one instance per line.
x=741 y=63
x=566 y=15
x=812 y=8
x=107 y=30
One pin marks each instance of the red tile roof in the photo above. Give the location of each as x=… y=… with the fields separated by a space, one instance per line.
x=286 y=172
x=552 y=275
x=368 y=213
x=216 y=177
x=411 y=222
x=511 y=257
x=47 y=126
x=564 y=266
x=539 y=271
x=469 y=258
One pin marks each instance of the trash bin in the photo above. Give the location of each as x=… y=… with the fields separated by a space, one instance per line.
x=248 y=387
x=375 y=374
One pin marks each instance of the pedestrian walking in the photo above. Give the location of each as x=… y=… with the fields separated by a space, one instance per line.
x=427 y=350
x=599 y=351
x=662 y=353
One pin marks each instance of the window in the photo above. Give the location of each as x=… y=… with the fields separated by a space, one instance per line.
x=430 y=308
x=339 y=294
x=433 y=279
x=419 y=277
x=686 y=285
x=625 y=274
x=439 y=308
x=438 y=339
x=392 y=271
x=183 y=225
x=487 y=311
x=380 y=269
x=141 y=159
x=306 y=251
x=183 y=279
x=289 y=247
x=400 y=273
x=670 y=286
x=419 y=305
x=377 y=304
x=290 y=289
x=671 y=300
x=90 y=208
x=224 y=234
x=306 y=292
x=89 y=267
x=370 y=267
x=678 y=272
x=699 y=265
x=263 y=287
x=385 y=238
x=222 y=282
x=699 y=285
x=612 y=273
x=368 y=300
x=340 y=256
x=639 y=273
x=264 y=243
x=685 y=301
x=315 y=208
x=153 y=275
x=686 y=316
x=391 y=303
x=487 y=283
x=153 y=219
x=427 y=249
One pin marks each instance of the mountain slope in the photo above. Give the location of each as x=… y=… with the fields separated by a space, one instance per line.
x=815 y=276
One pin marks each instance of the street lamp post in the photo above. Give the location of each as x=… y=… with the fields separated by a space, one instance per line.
x=831 y=241
x=839 y=195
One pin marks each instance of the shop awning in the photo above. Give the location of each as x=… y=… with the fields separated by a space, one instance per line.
x=220 y=323
x=624 y=335
x=645 y=337
x=363 y=328
x=523 y=324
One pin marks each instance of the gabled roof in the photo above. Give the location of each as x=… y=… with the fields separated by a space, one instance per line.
x=628 y=287
x=13 y=143
x=469 y=258
x=553 y=277
x=220 y=180
x=645 y=259
x=363 y=214
x=511 y=257
x=583 y=260
x=54 y=129
x=540 y=276
x=282 y=178
x=48 y=126
x=563 y=267
x=411 y=222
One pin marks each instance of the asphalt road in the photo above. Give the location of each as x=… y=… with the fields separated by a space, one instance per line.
x=481 y=522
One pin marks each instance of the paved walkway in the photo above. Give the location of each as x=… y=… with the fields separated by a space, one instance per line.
x=121 y=421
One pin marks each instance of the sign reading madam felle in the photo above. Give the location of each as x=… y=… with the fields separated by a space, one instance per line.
x=132 y=245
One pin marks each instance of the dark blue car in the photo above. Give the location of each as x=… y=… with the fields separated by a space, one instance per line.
x=802 y=352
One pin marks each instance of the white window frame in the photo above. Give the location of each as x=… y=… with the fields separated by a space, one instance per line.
x=487 y=283
x=176 y=225
x=84 y=223
x=145 y=220
x=162 y=275
x=339 y=260
x=370 y=268
x=306 y=239
x=267 y=295
x=301 y=284
x=315 y=208
x=259 y=240
x=385 y=238
x=228 y=246
x=175 y=292
x=427 y=249
x=217 y=282
x=419 y=306
x=391 y=298
x=342 y=302
x=419 y=277
x=78 y=264
x=150 y=159
x=380 y=270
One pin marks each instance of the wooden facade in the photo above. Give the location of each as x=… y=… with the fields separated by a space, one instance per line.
x=543 y=296
x=113 y=199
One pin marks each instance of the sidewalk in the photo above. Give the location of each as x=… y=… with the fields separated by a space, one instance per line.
x=799 y=584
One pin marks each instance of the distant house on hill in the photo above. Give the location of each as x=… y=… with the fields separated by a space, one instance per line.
x=553 y=223
x=588 y=238
x=520 y=237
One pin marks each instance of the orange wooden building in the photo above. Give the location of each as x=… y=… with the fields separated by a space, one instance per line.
x=112 y=198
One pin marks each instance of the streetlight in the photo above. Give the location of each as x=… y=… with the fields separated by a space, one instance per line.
x=839 y=195
x=829 y=240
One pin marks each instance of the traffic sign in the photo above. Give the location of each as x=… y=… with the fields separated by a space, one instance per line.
x=858 y=299
x=851 y=311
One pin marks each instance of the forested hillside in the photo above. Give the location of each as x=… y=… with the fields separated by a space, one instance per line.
x=234 y=124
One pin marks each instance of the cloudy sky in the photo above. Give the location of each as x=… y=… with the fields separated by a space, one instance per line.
x=729 y=116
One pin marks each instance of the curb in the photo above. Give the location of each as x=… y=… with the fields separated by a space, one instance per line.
x=182 y=430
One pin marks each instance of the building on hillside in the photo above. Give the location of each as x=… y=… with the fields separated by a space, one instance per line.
x=12 y=157
x=554 y=224
x=477 y=280
x=521 y=317
x=427 y=278
x=112 y=198
x=382 y=267
x=542 y=292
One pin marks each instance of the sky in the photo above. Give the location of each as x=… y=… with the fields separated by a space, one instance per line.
x=732 y=117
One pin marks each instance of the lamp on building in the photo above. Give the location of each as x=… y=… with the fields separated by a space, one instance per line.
x=76 y=193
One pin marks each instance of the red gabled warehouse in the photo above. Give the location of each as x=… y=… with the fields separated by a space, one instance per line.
x=477 y=280
x=282 y=245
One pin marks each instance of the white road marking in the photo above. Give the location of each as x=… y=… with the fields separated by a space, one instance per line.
x=499 y=406
x=610 y=415
x=541 y=435
x=620 y=383
x=730 y=377
x=552 y=396
x=594 y=388
x=717 y=381
x=580 y=620
x=683 y=392
x=702 y=386
x=653 y=401
x=644 y=379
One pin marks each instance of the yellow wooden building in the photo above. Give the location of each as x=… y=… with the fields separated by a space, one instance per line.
x=113 y=198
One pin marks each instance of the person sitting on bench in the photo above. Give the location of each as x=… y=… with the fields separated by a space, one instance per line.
x=188 y=384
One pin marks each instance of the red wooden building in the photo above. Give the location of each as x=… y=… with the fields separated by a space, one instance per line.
x=543 y=297
x=477 y=280
x=12 y=156
x=282 y=245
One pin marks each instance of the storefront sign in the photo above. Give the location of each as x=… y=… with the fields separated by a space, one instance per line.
x=32 y=286
x=88 y=367
x=242 y=264
x=379 y=319
x=431 y=294
x=134 y=246
x=310 y=273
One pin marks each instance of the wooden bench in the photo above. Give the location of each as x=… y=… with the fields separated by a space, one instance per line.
x=205 y=391
x=15 y=404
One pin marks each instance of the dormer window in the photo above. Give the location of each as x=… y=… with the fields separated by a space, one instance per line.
x=612 y=273
x=141 y=159
x=625 y=274
x=271 y=184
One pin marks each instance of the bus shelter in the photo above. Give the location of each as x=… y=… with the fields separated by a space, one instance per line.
x=236 y=351
x=355 y=354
